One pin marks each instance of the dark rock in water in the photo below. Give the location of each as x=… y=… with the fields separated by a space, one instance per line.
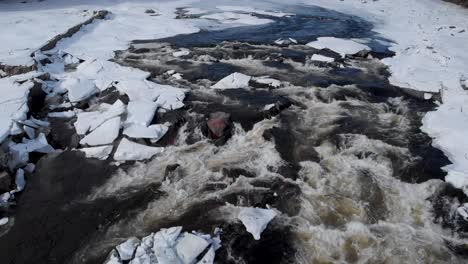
x=5 y=182
x=238 y=246
x=218 y=127
x=237 y=172
x=36 y=99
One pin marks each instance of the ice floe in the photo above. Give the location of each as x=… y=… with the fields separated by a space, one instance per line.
x=341 y=46
x=233 y=81
x=104 y=134
x=318 y=57
x=88 y=121
x=101 y=153
x=141 y=112
x=154 y=132
x=129 y=150
x=13 y=104
x=256 y=220
x=167 y=246
x=240 y=18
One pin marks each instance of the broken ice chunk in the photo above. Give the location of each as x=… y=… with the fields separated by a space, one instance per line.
x=66 y=114
x=3 y=221
x=269 y=81
x=180 y=53
x=189 y=247
x=128 y=150
x=141 y=112
x=113 y=258
x=341 y=46
x=463 y=211
x=101 y=153
x=233 y=81
x=79 y=89
x=19 y=180
x=88 y=121
x=20 y=152
x=104 y=134
x=256 y=220
x=318 y=57
x=209 y=257
x=30 y=132
x=154 y=132
x=127 y=248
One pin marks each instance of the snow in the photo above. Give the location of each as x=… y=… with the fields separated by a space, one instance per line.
x=79 y=89
x=128 y=150
x=105 y=134
x=341 y=46
x=25 y=28
x=413 y=27
x=231 y=18
x=155 y=132
x=253 y=10
x=233 y=81
x=256 y=220
x=101 y=153
x=167 y=246
x=318 y=57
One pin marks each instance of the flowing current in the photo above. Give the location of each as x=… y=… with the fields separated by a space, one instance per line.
x=333 y=147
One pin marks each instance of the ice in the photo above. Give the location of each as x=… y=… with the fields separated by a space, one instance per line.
x=30 y=132
x=20 y=152
x=12 y=104
x=189 y=247
x=19 y=180
x=233 y=81
x=3 y=221
x=341 y=46
x=318 y=57
x=256 y=220
x=268 y=107
x=79 y=89
x=269 y=81
x=101 y=153
x=181 y=53
x=113 y=258
x=463 y=211
x=168 y=246
x=105 y=134
x=253 y=10
x=155 y=132
x=141 y=112
x=209 y=257
x=128 y=150
x=127 y=248
x=231 y=17
x=30 y=168
x=88 y=121
x=66 y=114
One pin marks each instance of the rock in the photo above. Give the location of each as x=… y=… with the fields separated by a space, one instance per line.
x=219 y=124
x=5 y=182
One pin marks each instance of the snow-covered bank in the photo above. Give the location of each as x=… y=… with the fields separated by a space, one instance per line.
x=430 y=39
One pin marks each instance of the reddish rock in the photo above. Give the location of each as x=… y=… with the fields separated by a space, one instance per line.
x=218 y=124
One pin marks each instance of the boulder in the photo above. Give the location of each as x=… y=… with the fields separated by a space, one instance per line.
x=219 y=124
